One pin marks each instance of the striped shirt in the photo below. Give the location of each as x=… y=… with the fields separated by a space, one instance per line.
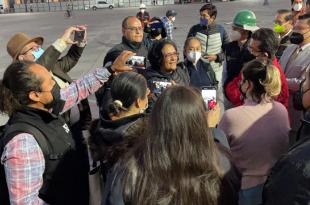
x=22 y=157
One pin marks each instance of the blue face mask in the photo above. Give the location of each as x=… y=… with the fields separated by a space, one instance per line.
x=204 y=22
x=37 y=54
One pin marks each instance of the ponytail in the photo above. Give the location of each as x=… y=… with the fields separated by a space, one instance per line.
x=265 y=78
x=272 y=82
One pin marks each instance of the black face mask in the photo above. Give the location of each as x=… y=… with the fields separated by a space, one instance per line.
x=296 y=38
x=56 y=104
x=297 y=98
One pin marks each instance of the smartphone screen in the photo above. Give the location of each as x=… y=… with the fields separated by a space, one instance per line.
x=159 y=86
x=79 y=36
x=209 y=96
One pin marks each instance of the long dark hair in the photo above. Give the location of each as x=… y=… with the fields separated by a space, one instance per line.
x=175 y=162
x=126 y=88
x=15 y=86
x=155 y=55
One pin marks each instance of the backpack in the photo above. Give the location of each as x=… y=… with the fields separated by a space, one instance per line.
x=8 y=132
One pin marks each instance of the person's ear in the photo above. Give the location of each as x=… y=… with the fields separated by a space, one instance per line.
x=34 y=96
x=138 y=103
x=20 y=57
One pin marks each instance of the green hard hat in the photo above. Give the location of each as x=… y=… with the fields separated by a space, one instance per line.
x=246 y=20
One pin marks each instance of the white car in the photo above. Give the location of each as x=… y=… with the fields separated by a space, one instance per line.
x=102 y=5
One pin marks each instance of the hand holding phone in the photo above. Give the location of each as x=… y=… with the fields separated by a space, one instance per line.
x=137 y=62
x=79 y=36
x=209 y=96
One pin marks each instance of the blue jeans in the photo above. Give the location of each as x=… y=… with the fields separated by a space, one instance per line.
x=251 y=196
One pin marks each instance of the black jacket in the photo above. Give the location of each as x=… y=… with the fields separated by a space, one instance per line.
x=289 y=180
x=200 y=75
x=114 y=52
x=110 y=137
x=180 y=76
x=236 y=57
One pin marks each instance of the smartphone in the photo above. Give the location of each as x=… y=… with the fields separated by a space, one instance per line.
x=209 y=96
x=158 y=87
x=137 y=62
x=79 y=35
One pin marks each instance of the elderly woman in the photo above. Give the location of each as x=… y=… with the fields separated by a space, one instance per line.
x=258 y=130
x=164 y=58
x=164 y=70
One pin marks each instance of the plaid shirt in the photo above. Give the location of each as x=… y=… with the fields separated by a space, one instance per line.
x=168 y=27
x=23 y=159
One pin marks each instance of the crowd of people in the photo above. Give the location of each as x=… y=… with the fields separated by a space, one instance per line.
x=158 y=140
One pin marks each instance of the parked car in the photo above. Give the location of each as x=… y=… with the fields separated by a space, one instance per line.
x=102 y=5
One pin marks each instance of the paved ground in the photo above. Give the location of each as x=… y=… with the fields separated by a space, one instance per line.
x=104 y=27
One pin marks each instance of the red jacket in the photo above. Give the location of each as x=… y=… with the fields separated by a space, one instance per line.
x=234 y=96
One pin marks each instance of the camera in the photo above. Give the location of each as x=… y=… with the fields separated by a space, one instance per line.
x=159 y=86
x=137 y=61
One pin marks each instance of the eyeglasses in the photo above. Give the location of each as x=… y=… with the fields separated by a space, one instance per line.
x=170 y=55
x=34 y=48
x=136 y=29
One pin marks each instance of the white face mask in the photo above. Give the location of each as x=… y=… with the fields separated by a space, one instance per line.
x=235 y=35
x=297 y=7
x=193 y=56
x=173 y=19
x=142 y=10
